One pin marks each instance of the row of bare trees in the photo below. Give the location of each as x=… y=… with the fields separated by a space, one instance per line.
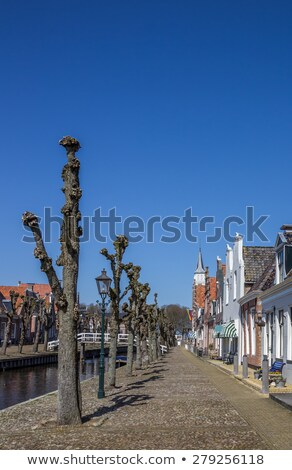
x=147 y=325
x=24 y=307
x=145 y=321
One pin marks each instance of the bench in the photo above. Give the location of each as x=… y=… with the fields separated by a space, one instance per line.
x=275 y=370
x=277 y=366
x=228 y=358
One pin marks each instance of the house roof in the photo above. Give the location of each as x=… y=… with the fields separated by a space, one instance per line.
x=5 y=291
x=267 y=279
x=212 y=288
x=23 y=289
x=256 y=260
x=41 y=289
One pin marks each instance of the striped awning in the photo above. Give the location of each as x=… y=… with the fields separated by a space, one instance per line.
x=228 y=330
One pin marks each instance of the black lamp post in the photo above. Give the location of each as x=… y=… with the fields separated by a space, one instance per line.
x=103 y=283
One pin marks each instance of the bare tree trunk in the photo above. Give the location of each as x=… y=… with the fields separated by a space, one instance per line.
x=69 y=410
x=46 y=339
x=7 y=334
x=130 y=350
x=113 y=352
x=154 y=346
x=14 y=298
x=69 y=396
x=37 y=336
x=159 y=354
x=22 y=335
x=150 y=339
x=145 y=357
x=117 y=267
x=138 y=352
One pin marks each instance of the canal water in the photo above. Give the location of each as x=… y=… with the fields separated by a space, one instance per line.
x=18 y=385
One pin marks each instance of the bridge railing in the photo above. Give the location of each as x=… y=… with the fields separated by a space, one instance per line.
x=90 y=338
x=53 y=345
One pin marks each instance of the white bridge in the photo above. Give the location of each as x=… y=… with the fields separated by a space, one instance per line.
x=89 y=338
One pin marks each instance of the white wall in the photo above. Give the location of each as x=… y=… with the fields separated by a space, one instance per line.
x=274 y=302
x=234 y=269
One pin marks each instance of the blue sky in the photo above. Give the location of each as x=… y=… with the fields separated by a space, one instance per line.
x=176 y=104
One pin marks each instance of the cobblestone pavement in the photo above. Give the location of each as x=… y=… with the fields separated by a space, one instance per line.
x=181 y=402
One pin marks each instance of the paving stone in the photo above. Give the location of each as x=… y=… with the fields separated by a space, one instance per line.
x=181 y=402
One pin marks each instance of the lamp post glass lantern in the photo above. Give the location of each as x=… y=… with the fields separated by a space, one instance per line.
x=103 y=283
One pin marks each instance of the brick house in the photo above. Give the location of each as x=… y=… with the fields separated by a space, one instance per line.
x=251 y=316
x=220 y=273
x=209 y=311
x=30 y=290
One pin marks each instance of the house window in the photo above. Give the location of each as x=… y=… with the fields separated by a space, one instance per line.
x=281 y=266
x=246 y=332
x=227 y=292
x=213 y=307
x=288 y=259
x=272 y=321
x=253 y=332
x=234 y=285
x=13 y=331
x=280 y=348
x=289 y=334
x=2 y=330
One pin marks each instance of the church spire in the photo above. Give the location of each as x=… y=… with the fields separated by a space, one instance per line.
x=200 y=264
x=199 y=276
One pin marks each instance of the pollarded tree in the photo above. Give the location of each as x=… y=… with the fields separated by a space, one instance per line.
x=28 y=308
x=69 y=396
x=141 y=326
x=10 y=314
x=155 y=338
x=117 y=268
x=40 y=307
x=131 y=310
x=152 y=333
x=48 y=321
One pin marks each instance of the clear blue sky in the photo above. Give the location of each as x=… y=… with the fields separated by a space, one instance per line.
x=176 y=104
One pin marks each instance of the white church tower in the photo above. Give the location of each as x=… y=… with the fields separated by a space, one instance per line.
x=199 y=276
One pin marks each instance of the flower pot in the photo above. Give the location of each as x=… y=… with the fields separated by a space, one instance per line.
x=256 y=375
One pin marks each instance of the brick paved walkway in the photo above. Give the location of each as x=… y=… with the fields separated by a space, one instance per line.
x=181 y=402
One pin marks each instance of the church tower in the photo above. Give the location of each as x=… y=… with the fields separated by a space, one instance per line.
x=199 y=276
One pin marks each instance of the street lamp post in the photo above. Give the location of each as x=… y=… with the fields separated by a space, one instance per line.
x=103 y=283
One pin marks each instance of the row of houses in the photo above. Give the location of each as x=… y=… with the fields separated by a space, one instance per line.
x=37 y=291
x=246 y=308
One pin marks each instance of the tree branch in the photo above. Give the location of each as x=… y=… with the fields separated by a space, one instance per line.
x=30 y=220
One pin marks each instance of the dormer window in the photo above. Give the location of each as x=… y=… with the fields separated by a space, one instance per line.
x=283 y=249
x=288 y=259
x=284 y=261
x=281 y=266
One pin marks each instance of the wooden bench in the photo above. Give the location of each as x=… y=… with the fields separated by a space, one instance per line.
x=277 y=366
x=275 y=370
x=228 y=358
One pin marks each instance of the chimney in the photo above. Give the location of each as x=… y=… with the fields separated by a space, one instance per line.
x=286 y=227
x=19 y=283
x=30 y=285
